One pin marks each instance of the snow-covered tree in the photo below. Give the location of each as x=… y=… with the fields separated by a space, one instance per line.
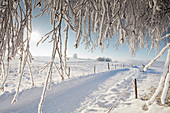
x=75 y=56
x=139 y=23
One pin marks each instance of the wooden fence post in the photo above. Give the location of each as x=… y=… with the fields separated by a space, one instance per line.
x=136 y=92
x=94 y=69
x=108 y=66
x=69 y=71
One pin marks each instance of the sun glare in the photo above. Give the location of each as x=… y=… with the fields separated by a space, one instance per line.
x=35 y=36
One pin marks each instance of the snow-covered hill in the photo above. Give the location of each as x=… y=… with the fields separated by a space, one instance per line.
x=85 y=91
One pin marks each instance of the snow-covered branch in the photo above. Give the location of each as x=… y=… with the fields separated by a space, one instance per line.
x=152 y=61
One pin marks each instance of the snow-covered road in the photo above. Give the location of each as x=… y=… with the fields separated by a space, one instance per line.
x=75 y=95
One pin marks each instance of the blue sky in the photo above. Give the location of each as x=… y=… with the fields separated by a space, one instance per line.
x=41 y=25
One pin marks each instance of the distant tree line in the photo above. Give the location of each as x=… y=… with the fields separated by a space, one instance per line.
x=104 y=59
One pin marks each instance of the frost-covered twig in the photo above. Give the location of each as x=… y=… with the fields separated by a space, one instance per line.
x=31 y=76
x=44 y=67
x=150 y=49
x=65 y=49
x=167 y=35
x=79 y=30
x=57 y=68
x=46 y=35
x=102 y=23
x=20 y=79
x=20 y=61
x=44 y=89
x=59 y=44
x=4 y=74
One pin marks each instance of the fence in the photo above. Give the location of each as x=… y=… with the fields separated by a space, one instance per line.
x=95 y=68
x=121 y=95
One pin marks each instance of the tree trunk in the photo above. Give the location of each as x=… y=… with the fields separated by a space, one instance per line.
x=164 y=82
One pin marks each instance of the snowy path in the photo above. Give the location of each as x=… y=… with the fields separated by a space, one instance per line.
x=76 y=95
x=108 y=92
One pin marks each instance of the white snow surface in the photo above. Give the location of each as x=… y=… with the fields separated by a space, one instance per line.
x=85 y=91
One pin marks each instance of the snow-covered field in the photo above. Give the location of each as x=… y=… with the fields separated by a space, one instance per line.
x=85 y=91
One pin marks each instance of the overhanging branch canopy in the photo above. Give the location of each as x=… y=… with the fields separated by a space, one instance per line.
x=139 y=23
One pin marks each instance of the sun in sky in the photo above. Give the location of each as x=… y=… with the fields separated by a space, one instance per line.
x=35 y=36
